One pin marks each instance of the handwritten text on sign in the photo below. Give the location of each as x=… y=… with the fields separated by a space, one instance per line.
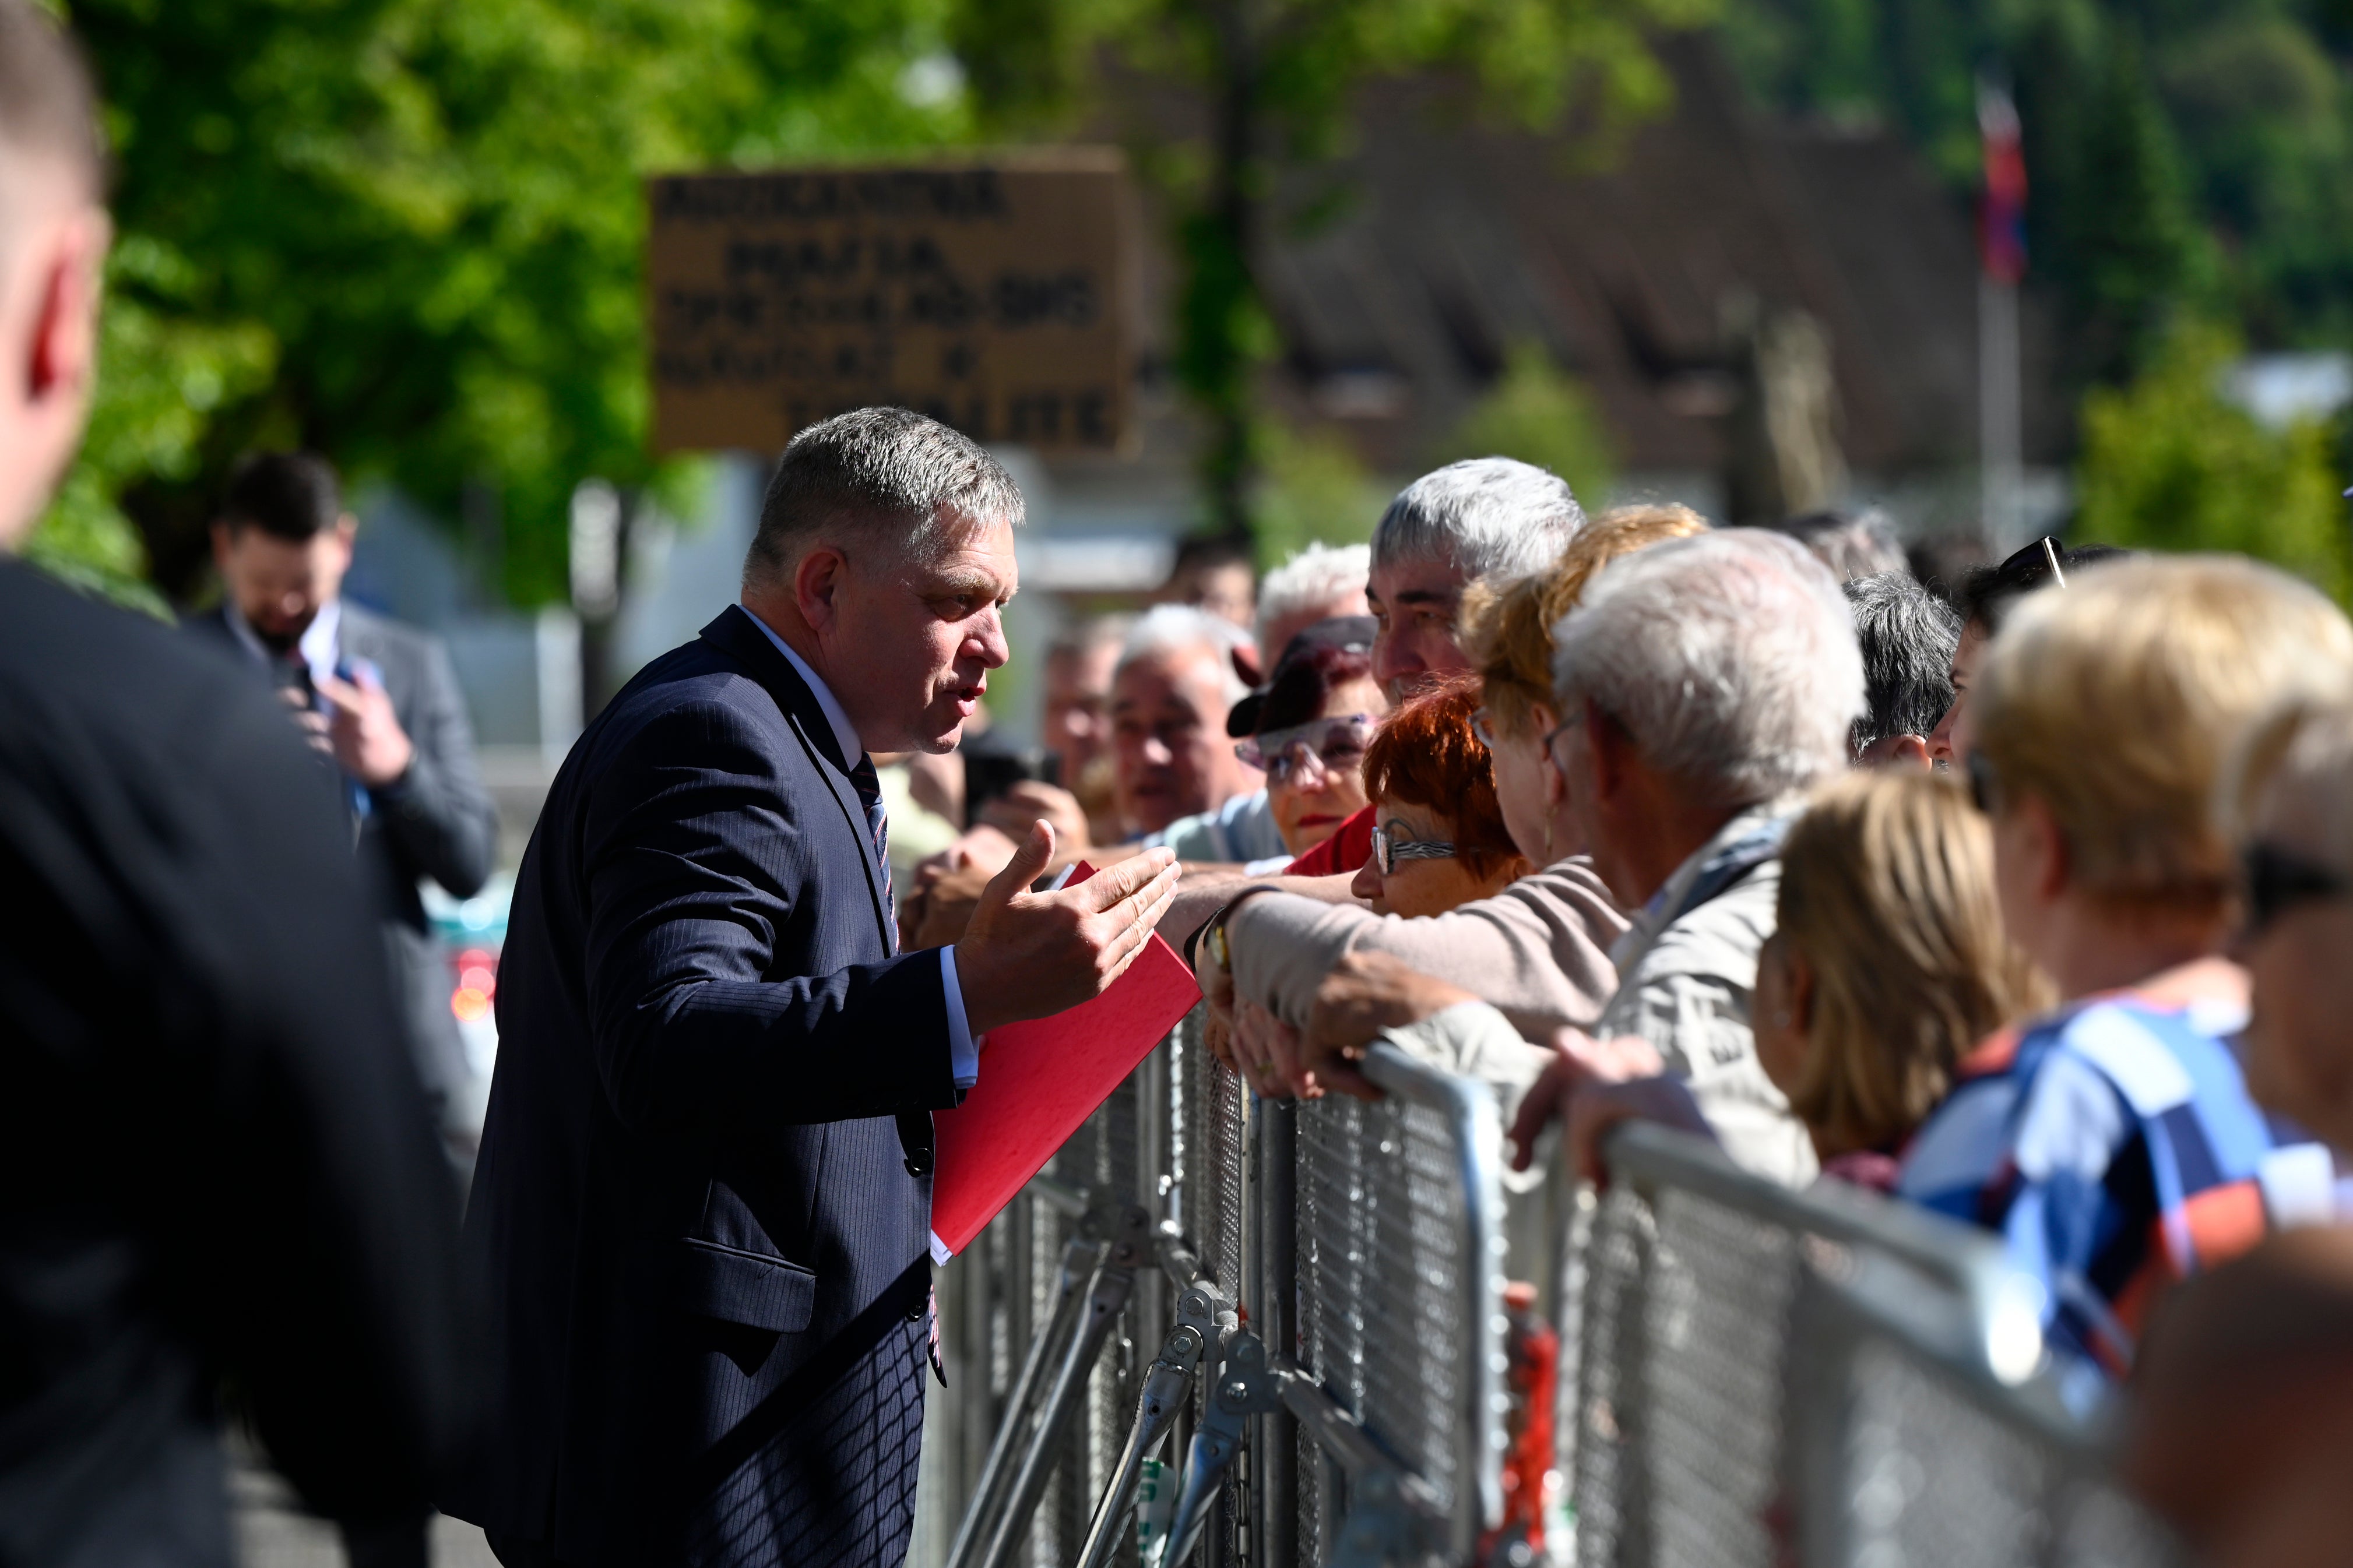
x=997 y=298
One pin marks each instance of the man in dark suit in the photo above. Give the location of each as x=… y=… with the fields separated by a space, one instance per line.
x=705 y=1190
x=215 y=1159
x=376 y=699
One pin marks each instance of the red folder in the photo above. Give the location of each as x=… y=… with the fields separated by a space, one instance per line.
x=1040 y=1080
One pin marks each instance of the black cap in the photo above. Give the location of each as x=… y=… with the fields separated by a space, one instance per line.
x=1350 y=634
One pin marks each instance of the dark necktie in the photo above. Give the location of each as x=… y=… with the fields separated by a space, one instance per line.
x=878 y=823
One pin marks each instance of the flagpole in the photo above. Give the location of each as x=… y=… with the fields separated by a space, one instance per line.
x=1999 y=415
x=2002 y=228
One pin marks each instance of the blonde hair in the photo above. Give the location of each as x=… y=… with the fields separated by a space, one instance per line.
x=2116 y=699
x=1887 y=892
x=1507 y=628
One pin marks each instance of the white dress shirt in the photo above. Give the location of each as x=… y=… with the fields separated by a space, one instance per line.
x=317 y=644
x=963 y=1056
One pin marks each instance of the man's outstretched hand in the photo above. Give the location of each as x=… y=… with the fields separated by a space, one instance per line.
x=1032 y=955
x=1580 y=1063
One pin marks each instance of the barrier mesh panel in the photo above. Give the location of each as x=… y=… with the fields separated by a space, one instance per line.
x=1679 y=1439
x=1381 y=1240
x=1934 y=1477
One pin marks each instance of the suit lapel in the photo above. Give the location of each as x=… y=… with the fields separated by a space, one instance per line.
x=734 y=634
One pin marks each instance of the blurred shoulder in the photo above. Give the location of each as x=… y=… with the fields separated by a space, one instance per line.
x=97 y=666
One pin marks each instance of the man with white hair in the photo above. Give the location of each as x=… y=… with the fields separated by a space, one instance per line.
x=1321 y=582
x=1707 y=684
x=1176 y=778
x=1485 y=517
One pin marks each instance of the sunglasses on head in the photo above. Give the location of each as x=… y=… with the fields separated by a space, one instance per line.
x=1335 y=745
x=2272 y=880
x=1390 y=845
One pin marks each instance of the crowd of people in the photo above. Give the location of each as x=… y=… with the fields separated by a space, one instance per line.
x=2019 y=898
x=2023 y=898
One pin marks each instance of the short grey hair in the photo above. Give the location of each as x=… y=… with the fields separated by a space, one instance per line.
x=1850 y=543
x=1493 y=517
x=1907 y=635
x=1313 y=577
x=1729 y=659
x=1084 y=636
x=887 y=476
x=1170 y=628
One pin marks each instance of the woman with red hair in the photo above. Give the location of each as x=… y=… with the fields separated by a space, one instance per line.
x=1439 y=838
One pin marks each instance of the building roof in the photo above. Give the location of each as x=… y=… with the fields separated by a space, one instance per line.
x=1457 y=239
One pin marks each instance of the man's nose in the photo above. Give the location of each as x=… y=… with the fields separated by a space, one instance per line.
x=1157 y=752
x=989 y=640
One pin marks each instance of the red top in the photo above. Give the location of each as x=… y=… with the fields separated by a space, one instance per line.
x=1350 y=845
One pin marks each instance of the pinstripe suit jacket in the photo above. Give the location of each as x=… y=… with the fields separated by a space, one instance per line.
x=704 y=1194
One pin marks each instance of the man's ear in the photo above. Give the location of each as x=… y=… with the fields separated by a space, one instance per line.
x=2046 y=843
x=224 y=542
x=64 y=360
x=817 y=587
x=1611 y=747
x=1906 y=754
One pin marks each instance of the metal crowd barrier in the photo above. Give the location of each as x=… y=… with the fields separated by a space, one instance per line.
x=1297 y=1312
x=1824 y=1377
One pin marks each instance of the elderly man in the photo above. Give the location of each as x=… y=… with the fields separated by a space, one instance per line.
x=1321 y=582
x=1488 y=517
x=1174 y=772
x=1707 y=683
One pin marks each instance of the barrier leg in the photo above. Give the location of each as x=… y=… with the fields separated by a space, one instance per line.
x=1245 y=1387
x=1105 y=1300
x=1164 y=1388
x=1078 y=1265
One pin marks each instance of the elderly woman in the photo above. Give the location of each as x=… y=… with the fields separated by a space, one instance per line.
x=1538 y=948
x=2112 y=1141
x=1439 y=838
x=1308 y=730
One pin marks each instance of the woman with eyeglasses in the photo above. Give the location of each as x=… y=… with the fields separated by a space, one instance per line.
x=1439 y=838
x=1312 y=725
x=2112 y=1141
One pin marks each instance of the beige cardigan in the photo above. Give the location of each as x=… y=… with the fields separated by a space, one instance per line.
x=1540 y=950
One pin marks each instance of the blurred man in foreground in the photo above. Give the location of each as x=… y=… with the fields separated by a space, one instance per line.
x=378 y=700
x=215 y=1159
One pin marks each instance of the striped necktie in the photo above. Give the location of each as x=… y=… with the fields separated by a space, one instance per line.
x=878 y=823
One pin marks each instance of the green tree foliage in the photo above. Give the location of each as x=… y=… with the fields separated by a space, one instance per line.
x=1312 y=490
x=2167 y=464
x=2182 y=155
x=1273 y=80
x=407 y=233
x=1540 y=414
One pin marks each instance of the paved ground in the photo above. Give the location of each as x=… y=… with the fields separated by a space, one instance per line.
x=271 y=1534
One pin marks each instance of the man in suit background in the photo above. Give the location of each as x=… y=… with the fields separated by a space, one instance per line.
x=378 y=699
x=703 y=1197
x=215 y=1159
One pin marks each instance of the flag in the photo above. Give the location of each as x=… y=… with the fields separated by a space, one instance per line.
x=2002 y=209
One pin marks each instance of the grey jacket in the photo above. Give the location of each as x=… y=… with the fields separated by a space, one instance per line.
x=1688 y=969
x=437 y=822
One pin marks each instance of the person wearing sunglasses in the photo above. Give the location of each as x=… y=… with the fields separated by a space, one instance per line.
x=1439 y=838
x=1986 y=596
x=2112 y=1141
x=1308 y=730
x=2292 y=793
